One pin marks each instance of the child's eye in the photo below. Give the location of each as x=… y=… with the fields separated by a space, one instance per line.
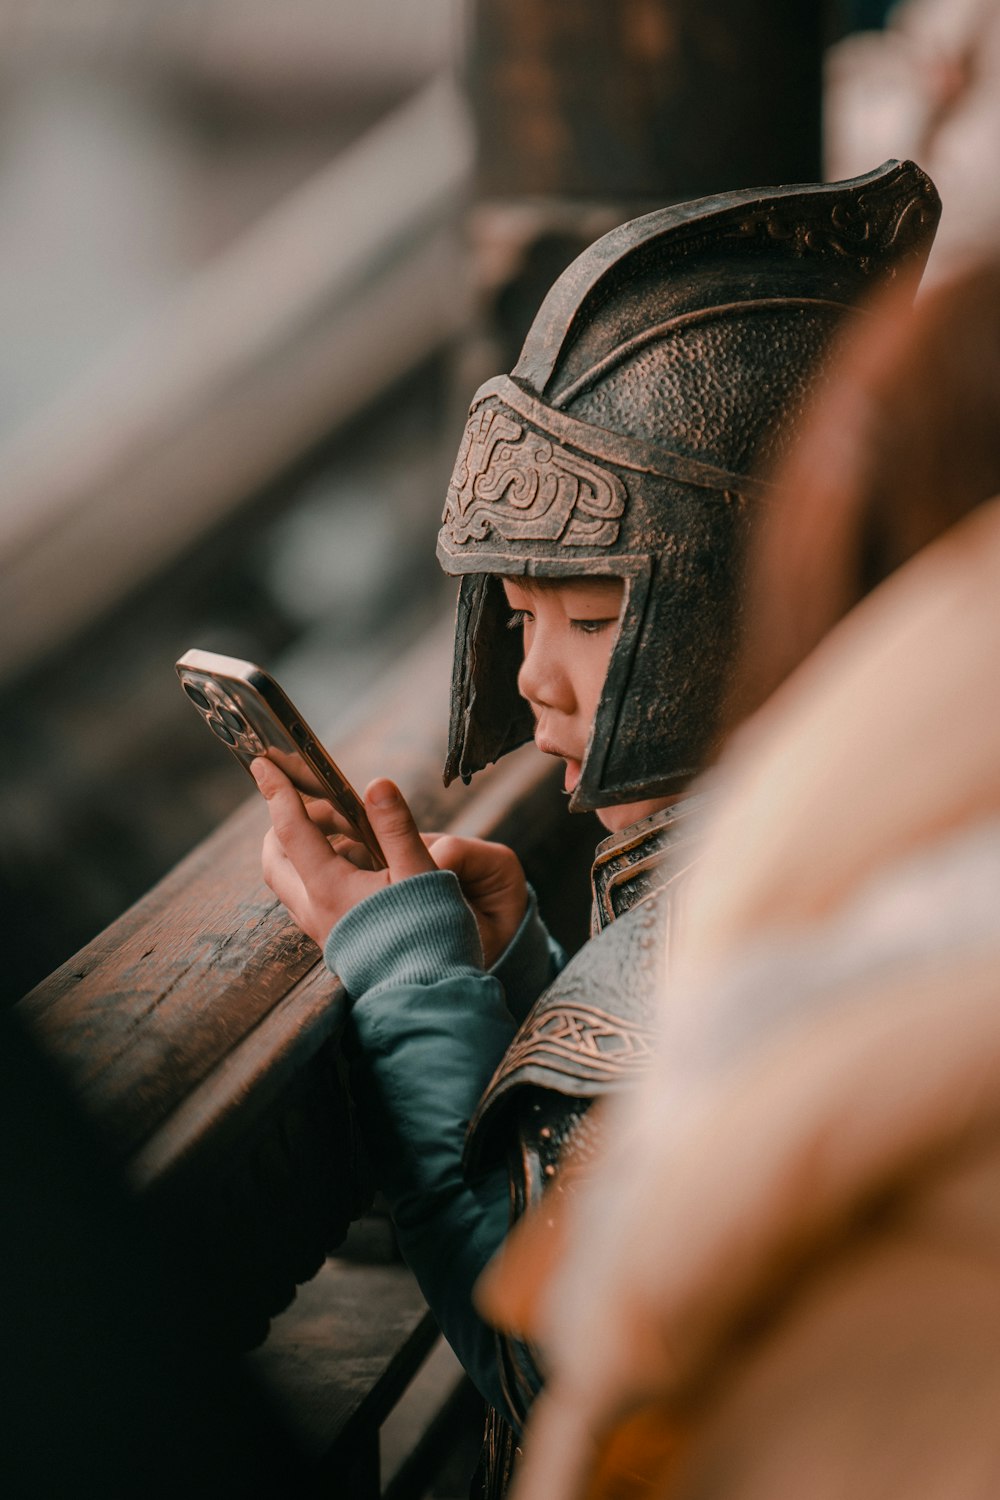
x=518 y=617
x=592 y=627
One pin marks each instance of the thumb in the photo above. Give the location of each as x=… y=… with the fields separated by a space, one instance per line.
x=393 y=825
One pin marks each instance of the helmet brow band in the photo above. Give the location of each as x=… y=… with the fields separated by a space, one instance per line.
x=614 y=448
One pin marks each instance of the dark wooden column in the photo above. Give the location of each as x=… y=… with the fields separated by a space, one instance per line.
x=644 y=99
x=591 y=111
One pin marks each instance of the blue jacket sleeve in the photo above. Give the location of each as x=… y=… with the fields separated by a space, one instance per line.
x=529 y=963
x=430 y=1027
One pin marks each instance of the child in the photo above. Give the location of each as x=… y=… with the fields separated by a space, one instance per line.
x=822 y=1121
x=599 y=506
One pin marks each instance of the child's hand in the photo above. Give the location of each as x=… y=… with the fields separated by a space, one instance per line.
x=319 y=879
x=492 y=882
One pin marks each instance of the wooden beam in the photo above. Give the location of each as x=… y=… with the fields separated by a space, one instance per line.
x=348 y=286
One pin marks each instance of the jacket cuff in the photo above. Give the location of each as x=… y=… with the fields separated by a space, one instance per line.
x=417 y=931
x=528 y=963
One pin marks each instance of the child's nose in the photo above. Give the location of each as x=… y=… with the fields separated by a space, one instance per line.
x=543 y=679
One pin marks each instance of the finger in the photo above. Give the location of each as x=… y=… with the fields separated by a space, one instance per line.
x=327 y=818
x=274 y=863
x=447 y=852
x=280 y=875
x=300 y=840
x=393 y=825
x=355 y=853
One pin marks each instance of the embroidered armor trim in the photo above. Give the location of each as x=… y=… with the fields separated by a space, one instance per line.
x=598 y=1045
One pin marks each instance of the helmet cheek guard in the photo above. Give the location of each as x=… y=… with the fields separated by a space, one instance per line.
x=488 y=714
x=667 y=364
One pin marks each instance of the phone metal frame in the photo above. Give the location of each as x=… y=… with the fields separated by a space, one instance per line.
x=248 y=712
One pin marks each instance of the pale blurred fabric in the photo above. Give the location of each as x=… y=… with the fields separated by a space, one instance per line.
x=791 y=1258
x=927 y=87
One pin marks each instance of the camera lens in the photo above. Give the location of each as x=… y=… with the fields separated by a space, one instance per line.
x=236 y=724
x=217 y=727
x=197 y=696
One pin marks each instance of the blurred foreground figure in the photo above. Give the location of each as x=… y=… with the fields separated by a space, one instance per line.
x=928 y=86
x=784 y=1275
x=112 y=1386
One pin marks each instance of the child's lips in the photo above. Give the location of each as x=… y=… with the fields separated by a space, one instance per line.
x=573 y=766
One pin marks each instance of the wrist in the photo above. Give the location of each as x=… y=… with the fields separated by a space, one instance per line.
x=416 y=931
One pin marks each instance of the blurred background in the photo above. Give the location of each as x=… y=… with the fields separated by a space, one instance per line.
x=254 y=260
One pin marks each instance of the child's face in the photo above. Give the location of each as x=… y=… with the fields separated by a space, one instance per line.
x=569 y=629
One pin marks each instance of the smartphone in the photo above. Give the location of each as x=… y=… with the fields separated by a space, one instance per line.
x=246 y=709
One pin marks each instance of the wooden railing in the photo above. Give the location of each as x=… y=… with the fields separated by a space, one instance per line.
x=201 y=1033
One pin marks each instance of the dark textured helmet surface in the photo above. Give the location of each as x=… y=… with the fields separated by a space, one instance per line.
x=665 y=369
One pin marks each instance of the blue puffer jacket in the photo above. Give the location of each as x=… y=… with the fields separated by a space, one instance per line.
x=429 y=1027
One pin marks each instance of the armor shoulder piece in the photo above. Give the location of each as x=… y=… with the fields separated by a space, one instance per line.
x=591 y=1031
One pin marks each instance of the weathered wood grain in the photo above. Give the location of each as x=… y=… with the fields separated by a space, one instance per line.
x=145 y=1012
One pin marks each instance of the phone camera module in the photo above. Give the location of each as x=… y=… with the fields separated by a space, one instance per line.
x=218 y=728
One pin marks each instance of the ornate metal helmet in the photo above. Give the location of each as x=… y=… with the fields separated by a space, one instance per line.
x=664 y=369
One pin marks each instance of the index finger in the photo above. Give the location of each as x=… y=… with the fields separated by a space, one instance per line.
x=303 y=843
